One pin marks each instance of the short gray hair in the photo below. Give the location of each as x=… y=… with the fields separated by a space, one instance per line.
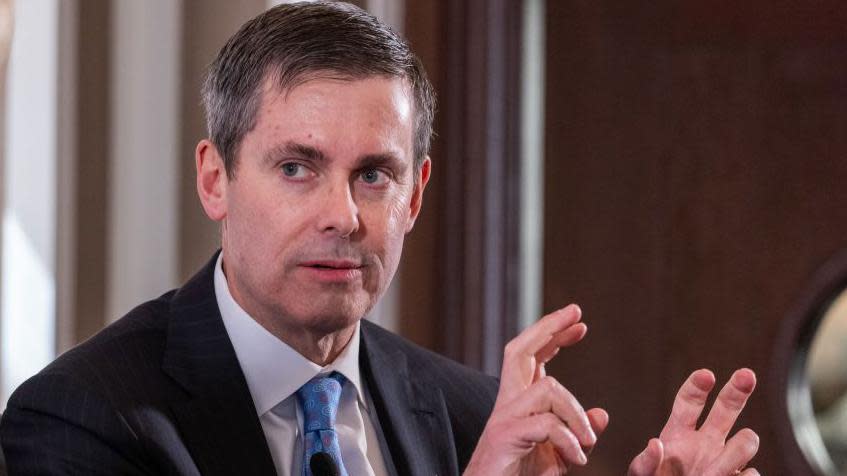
x=292 y=43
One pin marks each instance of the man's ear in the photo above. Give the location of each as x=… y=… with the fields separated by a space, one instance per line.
x=417 y=193
x=211 y=179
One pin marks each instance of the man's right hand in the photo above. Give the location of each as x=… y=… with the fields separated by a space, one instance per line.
x=537 y=427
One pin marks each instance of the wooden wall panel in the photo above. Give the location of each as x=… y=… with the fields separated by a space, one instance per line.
x=460 y=268
x=695 y=181
x=207 y=25
x=418 y=275
x=93 y=128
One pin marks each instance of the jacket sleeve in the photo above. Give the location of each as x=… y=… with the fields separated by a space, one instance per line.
x=52 y=427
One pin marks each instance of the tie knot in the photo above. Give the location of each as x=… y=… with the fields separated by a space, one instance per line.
x=319 y=399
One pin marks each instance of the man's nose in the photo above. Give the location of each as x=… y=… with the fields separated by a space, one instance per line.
x=339 y=214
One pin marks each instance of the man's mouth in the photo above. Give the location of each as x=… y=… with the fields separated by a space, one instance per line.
x=333 y=271
x=332 y=264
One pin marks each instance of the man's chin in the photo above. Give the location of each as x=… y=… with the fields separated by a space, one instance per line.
x=334 y=319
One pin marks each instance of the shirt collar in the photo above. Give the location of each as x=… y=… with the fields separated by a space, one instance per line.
x=274 y=371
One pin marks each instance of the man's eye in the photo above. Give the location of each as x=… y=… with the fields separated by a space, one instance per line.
x=374 y=177
x=294 y=170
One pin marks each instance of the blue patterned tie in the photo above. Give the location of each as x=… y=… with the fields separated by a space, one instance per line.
x=319 y=400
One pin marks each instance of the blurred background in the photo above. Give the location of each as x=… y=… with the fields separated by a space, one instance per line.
x=676 y=168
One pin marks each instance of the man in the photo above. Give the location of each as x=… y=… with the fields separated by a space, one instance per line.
x=319 y=122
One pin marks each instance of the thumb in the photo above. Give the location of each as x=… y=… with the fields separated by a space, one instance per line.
x=646 y=463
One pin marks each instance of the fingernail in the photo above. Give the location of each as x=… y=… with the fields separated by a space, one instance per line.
x=582 y=458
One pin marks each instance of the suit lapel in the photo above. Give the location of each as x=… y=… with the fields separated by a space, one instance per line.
x=218 y=420
x=413 y=419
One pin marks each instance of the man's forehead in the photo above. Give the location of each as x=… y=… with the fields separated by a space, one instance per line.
x=277 y=86
x=379 y=108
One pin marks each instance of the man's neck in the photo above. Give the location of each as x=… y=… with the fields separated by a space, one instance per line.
x=318 y=346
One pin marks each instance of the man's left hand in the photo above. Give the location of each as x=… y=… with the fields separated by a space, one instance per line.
x=683 y=449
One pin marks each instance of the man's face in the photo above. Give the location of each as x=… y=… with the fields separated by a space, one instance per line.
x=323 y=194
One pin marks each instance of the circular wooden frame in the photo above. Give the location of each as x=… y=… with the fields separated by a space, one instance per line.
x=789 y=390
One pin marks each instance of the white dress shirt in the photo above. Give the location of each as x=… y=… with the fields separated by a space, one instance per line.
x=274 y=372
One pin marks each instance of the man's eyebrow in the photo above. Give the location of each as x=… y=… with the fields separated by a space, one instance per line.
x=300 y=151
x=291 y=149
x=382 y=160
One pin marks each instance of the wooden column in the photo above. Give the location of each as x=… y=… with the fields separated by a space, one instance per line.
x=479 y=219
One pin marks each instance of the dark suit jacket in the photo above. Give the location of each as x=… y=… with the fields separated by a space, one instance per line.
x=2 y=460
x=160 y=391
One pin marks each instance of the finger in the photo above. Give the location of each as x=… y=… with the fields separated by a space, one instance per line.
x=739 y=450
x=519 y=358
x=549 y=396
x=599 y=420
x=730 y=402
x=565 y=338
x=689 y=402
x=547 y=428
x=646 y=463
x=540 y=373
